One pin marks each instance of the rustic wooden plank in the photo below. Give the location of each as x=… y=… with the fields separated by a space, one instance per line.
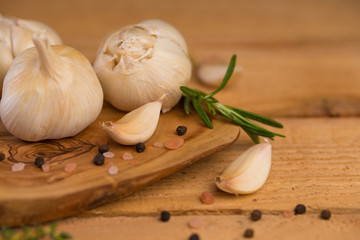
x=316 y=164
x=309 y=226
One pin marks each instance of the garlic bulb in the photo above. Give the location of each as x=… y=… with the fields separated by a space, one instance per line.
x=15 y=37
x=49 y=92
x=139 y=63
x=136 y=126
x=248 y=172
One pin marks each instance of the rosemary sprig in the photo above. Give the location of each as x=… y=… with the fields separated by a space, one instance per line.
x=238 y=116
x=34 y=233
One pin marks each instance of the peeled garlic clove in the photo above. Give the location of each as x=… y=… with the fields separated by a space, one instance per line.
x=248 y=172
x=140 y=62
x=49 y=92
x=16 y=36
x=211 y=74
x=136 y=126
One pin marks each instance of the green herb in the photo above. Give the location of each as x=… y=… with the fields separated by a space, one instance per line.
x=33 y=233
x=238 y=116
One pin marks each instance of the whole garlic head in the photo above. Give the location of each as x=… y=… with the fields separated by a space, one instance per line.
x=16 y=36
x=139 y=63
x=49 y=92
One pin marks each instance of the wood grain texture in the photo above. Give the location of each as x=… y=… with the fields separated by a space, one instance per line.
x=32 y=196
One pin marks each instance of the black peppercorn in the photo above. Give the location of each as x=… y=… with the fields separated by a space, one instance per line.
x=194 y=236
x=325 y=214
x=300 y=209
x=181 y=130
x=255 y=215
x=103 y=148
x=39 y=161
x=249 y=233
x=165 y=216
x=99 y=159
x=140 y=147
x=2 y=156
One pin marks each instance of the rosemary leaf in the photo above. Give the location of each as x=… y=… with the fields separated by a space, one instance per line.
x=254 y=137
x=187 y=105
x=189 y=92
x=200 y=110
x=228 y=74
x=211 y=108
x=257 y=117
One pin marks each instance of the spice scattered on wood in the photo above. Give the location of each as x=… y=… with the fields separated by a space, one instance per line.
x=113 y=170
x=103 y=148
x=325 y=214
x=2 y=156
x=18 y=167
x=256 y=215
x=181 y=130
x=109 y=154
x=140 y=147
x=249 y=233
x=174 y=143
x=158 y=144
x=207 y=198
x=70 y=167
x=45 y=167
x=39 y=161
x=127 y=156
x=99 y=159
x=194 y=236
x=164 y=216
x=300 y=209
x=195 y=222
x=288 y=213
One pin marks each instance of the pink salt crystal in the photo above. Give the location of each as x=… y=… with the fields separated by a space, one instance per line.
x=195 y=222
x=70 y=167
x=207 y=198
x=18 y=167
x=133 y=163
x=109 y=154
x=127 y=156
x=109 y=165
x=288 y=213
x=158 y=144
x=113 y=170
x=174 y=143
x=45 y=167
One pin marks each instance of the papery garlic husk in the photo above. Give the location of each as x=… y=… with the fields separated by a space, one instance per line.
x=49 y=92
x=140 y=62
x=212 y=74
x=136 y=126
x=248 y=172
x=16 y=36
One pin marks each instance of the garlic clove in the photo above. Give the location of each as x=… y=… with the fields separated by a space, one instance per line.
x=6 y=59
x=248 y=172
x=21 y=39
x=211 y=74
x=136 y=126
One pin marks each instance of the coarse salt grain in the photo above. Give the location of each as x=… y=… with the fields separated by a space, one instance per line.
x=18 y=167
x=109 y=154
x=127 y=156
x=207 y=198
x=158 y=144
x=45 y=167
x=70 y=167
x=174 y=143
x=113 y=170
x=288 y=213
x=195 y=222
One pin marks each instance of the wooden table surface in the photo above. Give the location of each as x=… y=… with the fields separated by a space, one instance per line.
x=301 y=62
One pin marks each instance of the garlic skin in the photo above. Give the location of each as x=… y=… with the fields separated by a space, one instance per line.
x=16 y=36
x=248 y=172
x=49 y=92
x=138 y=63
x=212 y=74
x=136 y=126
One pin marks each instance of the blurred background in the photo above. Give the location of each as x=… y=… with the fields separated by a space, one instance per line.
x=300 y=58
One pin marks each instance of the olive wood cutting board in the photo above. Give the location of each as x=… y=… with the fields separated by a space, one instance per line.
x=33 y=196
